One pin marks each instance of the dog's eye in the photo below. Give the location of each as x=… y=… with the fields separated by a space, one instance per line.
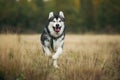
x=60 y=21
x=53 y=21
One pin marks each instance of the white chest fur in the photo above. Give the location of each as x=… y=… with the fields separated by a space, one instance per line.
x=58 y=43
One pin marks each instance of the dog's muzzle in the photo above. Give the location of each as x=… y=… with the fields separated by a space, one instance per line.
x=57 y=28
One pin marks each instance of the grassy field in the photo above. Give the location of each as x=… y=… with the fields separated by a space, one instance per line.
x=85 y=57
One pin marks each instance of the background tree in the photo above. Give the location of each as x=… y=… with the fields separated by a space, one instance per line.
x=29 y=16
x=87 y=15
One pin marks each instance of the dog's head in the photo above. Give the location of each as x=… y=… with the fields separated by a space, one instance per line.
x=56 y=23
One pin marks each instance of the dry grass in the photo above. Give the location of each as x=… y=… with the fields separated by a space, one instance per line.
x=85 y=57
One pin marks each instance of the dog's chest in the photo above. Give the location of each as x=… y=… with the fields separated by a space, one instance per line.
x=57 y=43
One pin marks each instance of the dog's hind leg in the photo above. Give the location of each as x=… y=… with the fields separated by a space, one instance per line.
x=55 y=56
x=55 y=63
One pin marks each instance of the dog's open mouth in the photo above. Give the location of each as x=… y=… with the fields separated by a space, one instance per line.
x=57 y=29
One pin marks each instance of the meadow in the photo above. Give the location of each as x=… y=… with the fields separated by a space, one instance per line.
x=84 y=57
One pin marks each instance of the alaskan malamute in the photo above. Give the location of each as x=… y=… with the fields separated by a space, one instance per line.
x=53 y=35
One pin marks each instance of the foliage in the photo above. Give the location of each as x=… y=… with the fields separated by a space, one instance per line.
x=29 y=16
x=108 y=15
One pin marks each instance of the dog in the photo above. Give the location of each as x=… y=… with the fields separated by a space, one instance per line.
x=53 y=35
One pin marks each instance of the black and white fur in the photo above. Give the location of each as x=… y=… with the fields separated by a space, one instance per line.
x=53 y=35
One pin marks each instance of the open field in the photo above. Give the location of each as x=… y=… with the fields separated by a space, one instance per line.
x=85 y=57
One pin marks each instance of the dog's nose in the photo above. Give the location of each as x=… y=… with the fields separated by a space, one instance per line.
x=57 y=25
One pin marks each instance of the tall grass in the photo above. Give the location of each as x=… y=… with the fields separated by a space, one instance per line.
x=85 y=57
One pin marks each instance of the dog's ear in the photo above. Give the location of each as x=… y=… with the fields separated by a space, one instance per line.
x=51 y=14
x=61 y=14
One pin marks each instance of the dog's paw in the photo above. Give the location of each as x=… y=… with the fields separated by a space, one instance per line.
x=54 y=56
x=56 y=66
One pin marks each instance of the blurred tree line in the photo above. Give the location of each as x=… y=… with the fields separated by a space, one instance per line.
x=29 y=16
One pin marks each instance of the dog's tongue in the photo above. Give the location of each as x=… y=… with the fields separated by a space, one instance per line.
x=57 y=30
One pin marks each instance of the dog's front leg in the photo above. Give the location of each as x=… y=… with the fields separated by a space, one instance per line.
x=46 y=51
x=55 y=56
